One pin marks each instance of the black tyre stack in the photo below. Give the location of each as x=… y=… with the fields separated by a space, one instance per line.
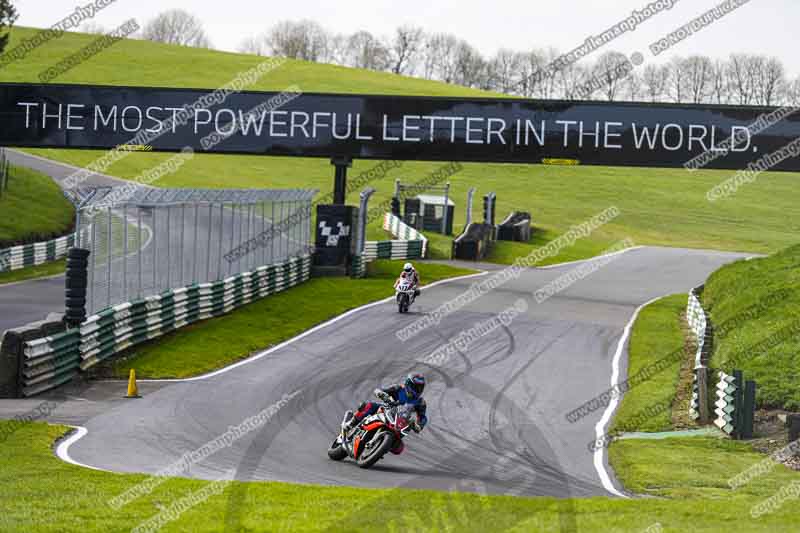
x=77 y=280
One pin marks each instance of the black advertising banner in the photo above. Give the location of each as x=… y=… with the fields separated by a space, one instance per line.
x=388 y=127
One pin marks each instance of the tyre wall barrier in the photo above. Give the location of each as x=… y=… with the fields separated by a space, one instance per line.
x=515 y=227
x=55 y=359
x=26 y=255
x=474 y=243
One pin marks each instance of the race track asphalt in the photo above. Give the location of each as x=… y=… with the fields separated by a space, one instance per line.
x=497 y=408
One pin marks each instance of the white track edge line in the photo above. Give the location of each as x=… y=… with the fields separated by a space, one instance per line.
x=600 y=428
x=62 y=450
x=285 y=343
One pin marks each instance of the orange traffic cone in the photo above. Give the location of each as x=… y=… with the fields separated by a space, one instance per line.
x=133 y=390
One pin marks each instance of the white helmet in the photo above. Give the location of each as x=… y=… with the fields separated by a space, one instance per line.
x=408 y=267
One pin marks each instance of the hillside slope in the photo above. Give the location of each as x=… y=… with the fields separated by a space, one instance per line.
x=658 y=206
x=755 y=307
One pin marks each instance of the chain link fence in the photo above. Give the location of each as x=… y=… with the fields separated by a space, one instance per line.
x=159 y=239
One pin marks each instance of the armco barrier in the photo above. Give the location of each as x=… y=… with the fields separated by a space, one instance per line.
x=404 y=232
x=26 y=255
x=410 y=244
x=53 y=360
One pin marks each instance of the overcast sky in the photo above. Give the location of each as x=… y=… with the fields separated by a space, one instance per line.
x=760 y=26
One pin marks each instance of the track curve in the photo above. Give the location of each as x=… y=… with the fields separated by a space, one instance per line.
x=497 y=411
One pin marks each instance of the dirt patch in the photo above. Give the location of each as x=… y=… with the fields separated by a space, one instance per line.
x=771 y=435
x=683 y=394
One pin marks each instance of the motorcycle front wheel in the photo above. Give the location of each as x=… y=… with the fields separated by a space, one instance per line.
x=337 y=452
x=381 y=443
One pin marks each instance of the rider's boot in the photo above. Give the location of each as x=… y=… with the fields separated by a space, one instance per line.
x=349 y=421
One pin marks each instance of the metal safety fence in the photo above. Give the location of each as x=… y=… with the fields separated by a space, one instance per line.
x=53 y=360
x=144 y=241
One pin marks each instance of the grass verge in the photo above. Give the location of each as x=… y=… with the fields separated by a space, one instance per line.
x=38 y=271
x=33 y=209
x=656 y=342
x=218 y=342
x=755 y=308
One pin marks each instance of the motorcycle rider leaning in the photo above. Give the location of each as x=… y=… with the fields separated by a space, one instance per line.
x=409 y=273
x=410 y=393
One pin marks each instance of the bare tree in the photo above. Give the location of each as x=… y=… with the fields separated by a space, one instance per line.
x=656 y=80
x=256 y=45
x=504 y=69
x=609 y=72
x=405 y=47
x=634 y=87
x=719 y=83
x=570 y=79
x=367 y=51
x=177 y=26
x=304 y=40
x=742 y=70
x=470 y=66
x=770 y=81
x=440 y=57
x=8 y=15
x=698 y=77
x=544 y=86
x=91 y=27
x=678 y=79
x=793 y=92
x=336 y=51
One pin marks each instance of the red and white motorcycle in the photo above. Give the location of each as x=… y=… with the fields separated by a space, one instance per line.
x=376 y=435
x=405 y=294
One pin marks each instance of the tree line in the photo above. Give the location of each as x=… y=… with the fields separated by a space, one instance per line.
x=741 y=79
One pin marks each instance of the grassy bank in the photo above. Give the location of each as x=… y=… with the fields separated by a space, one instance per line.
x=658 y=206
x=33 y=209
x=218 y=342
x=34 y=272
x=755 y=307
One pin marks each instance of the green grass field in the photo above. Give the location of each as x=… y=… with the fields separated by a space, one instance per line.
x=32 y=209
x=218 y=342
x=658 y=206
x=44 y=270
x=686 y=480
x=755 y=307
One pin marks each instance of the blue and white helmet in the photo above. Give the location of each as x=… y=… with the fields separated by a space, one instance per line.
x=415 y=384
x=408 y=267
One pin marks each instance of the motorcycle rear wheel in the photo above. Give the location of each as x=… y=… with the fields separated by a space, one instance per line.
x=378 y=450
x=337 y=452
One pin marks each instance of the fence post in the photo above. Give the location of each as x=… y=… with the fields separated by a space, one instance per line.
x=444 y=214
x=362 y=219
x=738 y=404
x=702 y=394
x=748 y=410
x=470 y=195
